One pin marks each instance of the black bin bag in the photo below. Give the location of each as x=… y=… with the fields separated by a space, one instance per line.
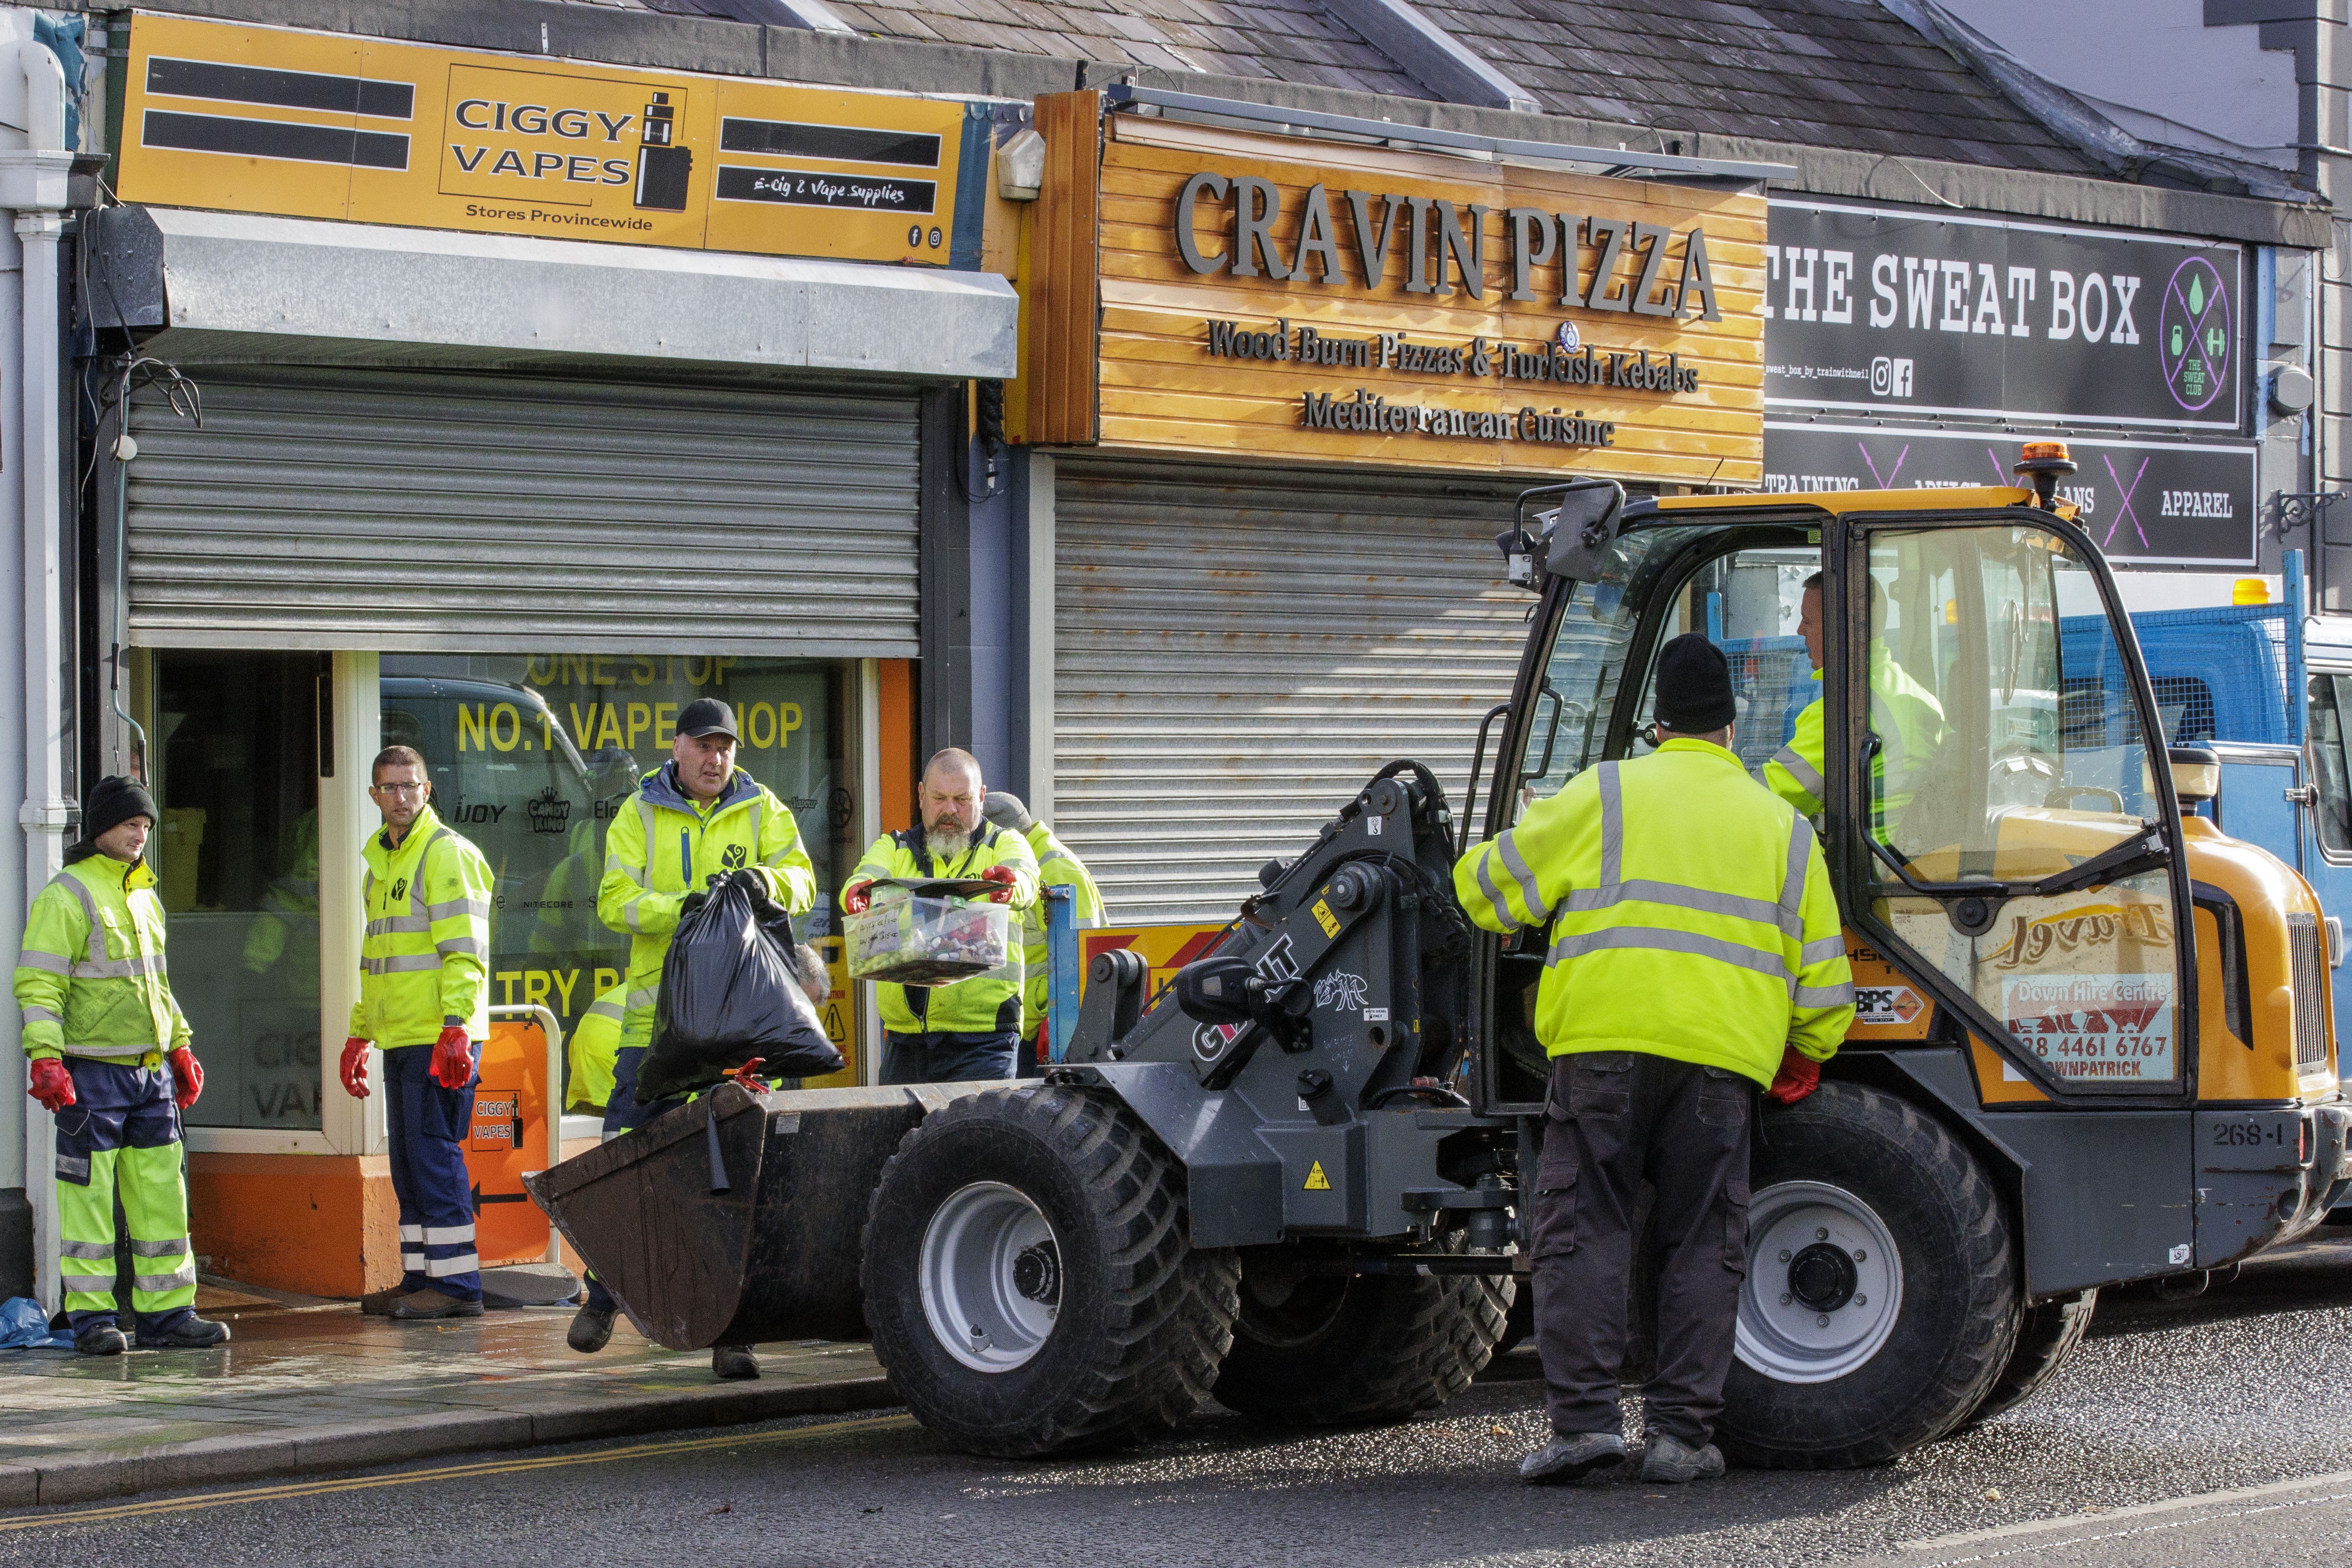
x=730 y=991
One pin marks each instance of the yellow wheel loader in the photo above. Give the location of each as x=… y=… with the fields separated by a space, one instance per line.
x=2092 y=1046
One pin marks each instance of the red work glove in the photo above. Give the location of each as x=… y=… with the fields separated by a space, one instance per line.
x=999 y=874
x=52 y=1085
x=187 y=1078
x=856 y=897
x=354 y=1068
x=1799 y=1076
x=453 y=1059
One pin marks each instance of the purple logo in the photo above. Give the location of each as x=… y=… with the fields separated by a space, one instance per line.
x=2193 y=334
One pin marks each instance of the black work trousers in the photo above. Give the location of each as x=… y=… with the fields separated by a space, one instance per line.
x=1614 y=1120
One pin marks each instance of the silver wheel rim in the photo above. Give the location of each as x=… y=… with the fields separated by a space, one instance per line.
x=1824 y=1283
x=991 y=1276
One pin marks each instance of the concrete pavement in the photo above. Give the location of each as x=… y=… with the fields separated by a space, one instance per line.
x=301 y=1391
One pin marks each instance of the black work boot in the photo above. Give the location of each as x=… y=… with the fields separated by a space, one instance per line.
x=1673 y=1462
x=100 y=1338
x=1572 y=1457
x=592 y=1328
x=733 y=1361
x=428 y=1303
x=186 y=1333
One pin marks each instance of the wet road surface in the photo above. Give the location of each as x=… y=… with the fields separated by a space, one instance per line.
x=2210 y=1431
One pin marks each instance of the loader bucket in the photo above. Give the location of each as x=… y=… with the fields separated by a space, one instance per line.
x=737 y=1218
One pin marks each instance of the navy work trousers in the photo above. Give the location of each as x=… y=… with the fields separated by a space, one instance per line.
x=428 y=1127
x=947 y=1058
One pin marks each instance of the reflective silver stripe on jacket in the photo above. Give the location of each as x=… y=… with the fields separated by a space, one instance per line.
x=1807 y=777
x=477 y=907
x=36 y=1013
x=392 y=924
x=600 y=1008
x=1656 y=939
x=644 y=998
x=406 y=964
x=1824 y=996
x=1787 y=915
x=48 y=962
x=98 y=965
x=472 y=947
x=1612 y=826
x=1828 y=948
x=109 y=1052
x=1506 y=850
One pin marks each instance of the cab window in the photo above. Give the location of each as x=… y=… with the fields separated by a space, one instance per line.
x=2330 y=696
x=2001 y=757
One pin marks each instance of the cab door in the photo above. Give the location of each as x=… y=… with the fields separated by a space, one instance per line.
x=2006 y=827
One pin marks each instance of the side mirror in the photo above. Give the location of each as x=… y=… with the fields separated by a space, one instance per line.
x=1581 y=528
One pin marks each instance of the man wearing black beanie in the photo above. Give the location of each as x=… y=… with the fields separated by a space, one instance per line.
x=1696 y=957
x=111 y=1061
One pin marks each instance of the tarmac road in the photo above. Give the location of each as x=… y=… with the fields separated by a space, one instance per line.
x=2215 y=1431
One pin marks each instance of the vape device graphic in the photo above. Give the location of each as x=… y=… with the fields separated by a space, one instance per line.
x=662 y=168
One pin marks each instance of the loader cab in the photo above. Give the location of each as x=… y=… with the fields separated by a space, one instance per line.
x=2002 y=835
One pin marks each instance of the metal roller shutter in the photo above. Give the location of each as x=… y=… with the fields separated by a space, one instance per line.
x=1238 y=650
x=408 y=511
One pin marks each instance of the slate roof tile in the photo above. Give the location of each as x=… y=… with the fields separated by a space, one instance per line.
x=1823 y=73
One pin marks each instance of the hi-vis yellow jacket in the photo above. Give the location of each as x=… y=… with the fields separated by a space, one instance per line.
x=1904 y=714
x=1690 y=913
x=1056 y=867
x=985 y=1004
x=91 y=978
x=663 y=847
x=426 y=960
x=596 y=1049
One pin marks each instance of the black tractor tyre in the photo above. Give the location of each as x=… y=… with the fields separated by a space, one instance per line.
x=1958 y=1317
x=2046 y=1335
x=1519 y=1324
x=1332 y=1349
x=1142 y=1316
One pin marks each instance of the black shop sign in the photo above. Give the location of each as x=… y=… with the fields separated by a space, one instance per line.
x=2144 y=503
x=1926 y=315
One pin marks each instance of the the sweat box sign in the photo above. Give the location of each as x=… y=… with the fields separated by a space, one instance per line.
x=2143 y=502
x=1934 y=316
x=316 y=125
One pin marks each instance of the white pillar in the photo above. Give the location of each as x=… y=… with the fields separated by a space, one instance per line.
x=33 y=188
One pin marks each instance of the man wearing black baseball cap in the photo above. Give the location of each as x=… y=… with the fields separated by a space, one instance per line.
x=694 y=821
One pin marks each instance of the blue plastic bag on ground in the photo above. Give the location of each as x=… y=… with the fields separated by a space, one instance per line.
x=24 y=1326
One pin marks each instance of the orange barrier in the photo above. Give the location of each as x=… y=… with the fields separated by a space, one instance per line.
x=517 y=1128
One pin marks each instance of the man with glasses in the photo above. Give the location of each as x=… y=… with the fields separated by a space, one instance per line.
x=425 y=999
x=970 y=1030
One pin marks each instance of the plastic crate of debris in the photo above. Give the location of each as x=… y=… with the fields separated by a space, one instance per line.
x=928 y=933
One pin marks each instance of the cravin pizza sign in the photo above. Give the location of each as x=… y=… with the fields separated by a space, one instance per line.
x=1943 y=315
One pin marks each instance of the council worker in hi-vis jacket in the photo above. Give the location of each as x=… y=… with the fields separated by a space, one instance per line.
x=111 y=1060
x=425 y=999
x=694 y=821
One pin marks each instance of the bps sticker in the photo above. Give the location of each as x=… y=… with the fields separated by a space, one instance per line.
x=1879 y=1006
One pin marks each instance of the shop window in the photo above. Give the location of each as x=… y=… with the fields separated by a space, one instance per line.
x=532 y=758
x=238 y=857
x=2329 y=695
